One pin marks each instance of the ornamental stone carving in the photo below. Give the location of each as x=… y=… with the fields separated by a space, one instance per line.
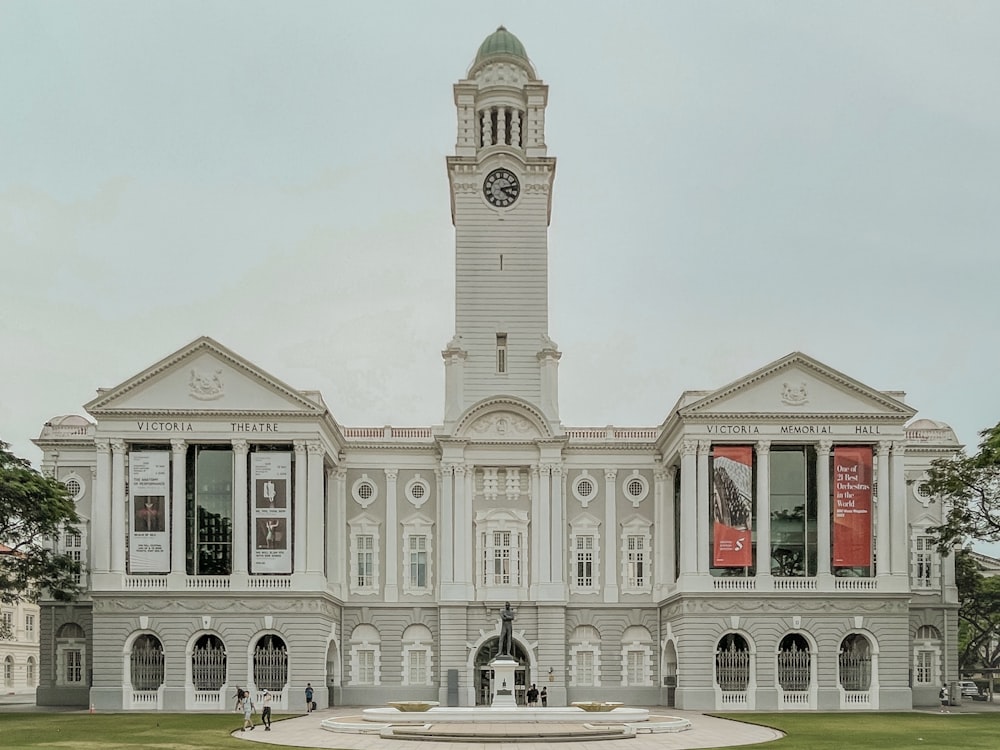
x=503 y=425
x=206 y=386
x=794 y=394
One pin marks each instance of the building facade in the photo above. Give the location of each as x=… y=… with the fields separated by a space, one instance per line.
x=763 y=547
x=18 y=642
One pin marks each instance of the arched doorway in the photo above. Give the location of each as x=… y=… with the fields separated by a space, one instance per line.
x=483 y=676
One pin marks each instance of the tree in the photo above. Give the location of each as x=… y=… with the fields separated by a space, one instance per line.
x=978 y=614
x=34 y=509
x=971 y=484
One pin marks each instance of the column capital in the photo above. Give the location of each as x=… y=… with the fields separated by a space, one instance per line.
x=340 y=473
x=824 y=447
x=315 y=447
x=391 y=474
x=883 y=447
x=299 y=446
x=178 y=446
x=704 y=446
x=898 y=447
x=102 y=445
x=240 y=447
x=763 y=447
x=610 y=474
x=118 y=447
x=689 y=447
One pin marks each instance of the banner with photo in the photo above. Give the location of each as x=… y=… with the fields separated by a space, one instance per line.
x=732 y=505
x=149 y=520
x=852 y=506
x=271 y=512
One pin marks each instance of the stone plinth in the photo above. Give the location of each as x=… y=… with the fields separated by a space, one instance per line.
x=503 y=682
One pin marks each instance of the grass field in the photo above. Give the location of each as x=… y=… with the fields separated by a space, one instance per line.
x=868 y=731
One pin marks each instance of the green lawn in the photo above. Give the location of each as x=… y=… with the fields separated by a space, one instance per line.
x=862 y=731
x=880 y=731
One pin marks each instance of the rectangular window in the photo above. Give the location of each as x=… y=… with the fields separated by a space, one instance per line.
x=636 y=661
x=923 y=563
x=29 y=627
x=635 y=561
x=418 y=562
x=501 y=353
x=585 y=561
x=793 y=511
x=585 y=668
x=209 y=511
x=366 y=561
x=74 y=665
x=924 y=671
x=418 y=667
x=73 y=546
x=8 y=622
x=366 y=667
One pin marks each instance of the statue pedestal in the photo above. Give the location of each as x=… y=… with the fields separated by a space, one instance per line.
x=503 y=682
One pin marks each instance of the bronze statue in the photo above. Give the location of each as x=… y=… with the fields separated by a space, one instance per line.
x=506 y=631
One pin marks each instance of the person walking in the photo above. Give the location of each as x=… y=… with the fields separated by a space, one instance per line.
x=239 y=697
x=944 y=699
x=309 y=697
x=545 y=697
x=265 y=714
x=247 y=714
x=532 y=696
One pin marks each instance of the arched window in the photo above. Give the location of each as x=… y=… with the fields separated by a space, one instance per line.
x=794 y=663
x=270 y=664
x=637 y=656
x=585 y=656
x=855 y=662
x=732 y=663
x=8 y=671
x=417 y=653
x=208 y=663
x=30 y=674
x=927 y=656
x=146 y=663
x=366 y=652
x=71 y=650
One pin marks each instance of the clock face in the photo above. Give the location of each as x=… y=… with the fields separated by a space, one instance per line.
x=501 y=188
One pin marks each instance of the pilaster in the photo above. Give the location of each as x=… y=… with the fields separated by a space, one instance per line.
x=823 y=549
x=316 y=527
x=100 y=521
x=898 y=520
x=118 y=505
x=301 y=508
x=178 y=511
x=610 y=547
x=883 y=564
x=689 y=508
x=704 y=450
x=763 y=521
x=241 y=510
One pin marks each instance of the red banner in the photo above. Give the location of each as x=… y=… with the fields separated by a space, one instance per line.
x=852 y=506
x=732 y=505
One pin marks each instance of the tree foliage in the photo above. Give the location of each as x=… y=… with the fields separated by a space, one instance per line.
x=978 y=613
x=34 y=509
x=971 y=484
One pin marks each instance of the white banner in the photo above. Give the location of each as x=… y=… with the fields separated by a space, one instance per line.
x=271 y=514
x=149 y=521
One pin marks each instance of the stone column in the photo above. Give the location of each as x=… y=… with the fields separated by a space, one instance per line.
x=662 y=529
x=883 y=531
x=241 y=508
x=178 y=507
x=689 y=508
x=336 y=535
x=391 y=537
x=557 y=526
x=118 y=505
x=301 y=508
x=823 y=520
x=704 y=553
x=763 y=521
x=100 y=521
x=462 y=526
x=447 y=526
x=609 y=550
x=544 y=523
x=315 y=502
x=898 y=523
x=536 y=539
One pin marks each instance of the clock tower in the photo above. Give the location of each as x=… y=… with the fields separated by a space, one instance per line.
x=501 y=187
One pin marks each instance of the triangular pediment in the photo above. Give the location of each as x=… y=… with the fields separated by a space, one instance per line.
x=202 y=377
x=797 y=386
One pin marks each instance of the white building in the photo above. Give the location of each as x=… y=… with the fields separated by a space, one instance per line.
x=18 y=642
x=236 y=533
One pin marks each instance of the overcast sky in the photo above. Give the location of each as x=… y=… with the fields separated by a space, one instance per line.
x=735 y=181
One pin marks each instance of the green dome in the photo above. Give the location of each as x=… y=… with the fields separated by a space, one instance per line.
x=501 y=42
